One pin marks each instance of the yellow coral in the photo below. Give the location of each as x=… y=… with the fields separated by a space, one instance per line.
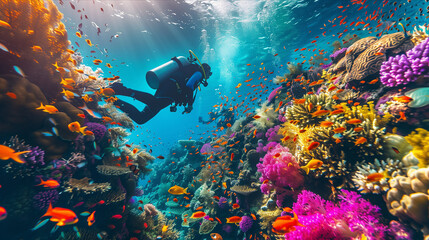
x=419 y=140
x=366 y=112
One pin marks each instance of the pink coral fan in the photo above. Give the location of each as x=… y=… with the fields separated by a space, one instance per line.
x=281 y=168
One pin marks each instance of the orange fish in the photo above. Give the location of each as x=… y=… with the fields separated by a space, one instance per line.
x=3 y=213
x=107 y=92
x=233 y=219
x=235 y=206
x=91 y=219
x=402 y=99
x=256 y=116
x=313 y=145
x=175 y=200
x=326 y=124
x=11 y=95
x=300 y=101
x=354 y=121
x=320 y=113
x=216 y=236
x=88 y=42
x=358 y=129
x=63 y=216
x=75 y=127
x=199 y=208
x=198 y=214
x=286 y=224
x=373 y=81
x=338 y=111
x=339 y=130
x=253 y=216
x=47 y=108
x=78 y=34
x=5 y=24
x=287 y=209
x=360 y=140
x=376 y=177
x=50 y=183
x=7 y=153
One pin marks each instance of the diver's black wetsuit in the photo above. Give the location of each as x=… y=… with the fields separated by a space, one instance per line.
x=177 y=89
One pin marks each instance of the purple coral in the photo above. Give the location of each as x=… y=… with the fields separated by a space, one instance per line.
x=405 y=68
x=274 y=93
x=281 y=168
x=98 y=129
x=272 y=135
x=323 y=219
x=223 y=202
x=35 y=158
x=246 y=223
x=42 y=199
x=337 y=55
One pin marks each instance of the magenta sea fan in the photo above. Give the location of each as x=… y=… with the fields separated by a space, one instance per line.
x=280 y=167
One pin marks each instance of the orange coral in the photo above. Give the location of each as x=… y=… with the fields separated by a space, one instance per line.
x=36 y=40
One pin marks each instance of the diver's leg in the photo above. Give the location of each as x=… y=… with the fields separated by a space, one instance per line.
x=148 y=112
x=143 y=97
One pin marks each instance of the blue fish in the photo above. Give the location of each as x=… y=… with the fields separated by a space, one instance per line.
x=40 y=224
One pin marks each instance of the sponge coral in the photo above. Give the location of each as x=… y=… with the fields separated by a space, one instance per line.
x=408 y=198
x=280 y=167
x=419 y=140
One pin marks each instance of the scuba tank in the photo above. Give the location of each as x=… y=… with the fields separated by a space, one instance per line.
x=161 y=73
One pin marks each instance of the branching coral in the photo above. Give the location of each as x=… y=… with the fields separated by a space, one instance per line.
x=304 y=113
x=419 y=140
x=84 y=185
x=419 y=35
x=408 y=198
x=392 y=167
x=110 y=110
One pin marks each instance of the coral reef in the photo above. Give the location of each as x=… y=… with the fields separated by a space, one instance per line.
x=419 y=142
x=408 y=198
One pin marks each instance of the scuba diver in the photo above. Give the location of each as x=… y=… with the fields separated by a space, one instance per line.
x=226 y=116
x=175 y=83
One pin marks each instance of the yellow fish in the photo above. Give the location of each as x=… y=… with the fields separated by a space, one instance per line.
x=312 y=165
x=68 y=94
x=47 y=108
x=7 y=153
x=176 y=190
x=75 y=127
x=164 y=228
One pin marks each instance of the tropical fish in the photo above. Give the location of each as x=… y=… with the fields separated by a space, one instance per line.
x=235 y=206
x=5 y=24
x=117 y=216
x=233 y=219
x=354 y=121
x=338 y=111
x=50 y=183
x=286 y=224
x=402 y=99
x=164 y=228
x=8 y=153
x=320 y=113
x=376 y=177
x=91 y=219
x=326 y=124
x=75 y=127
x=3 y=213
x=339 y=129
x=216 y=236
x=312 y=165
x=47 y=108
x=313 y=145
x=360 y=140
x=176 y=190
x=62 y=216
x=198 y=214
